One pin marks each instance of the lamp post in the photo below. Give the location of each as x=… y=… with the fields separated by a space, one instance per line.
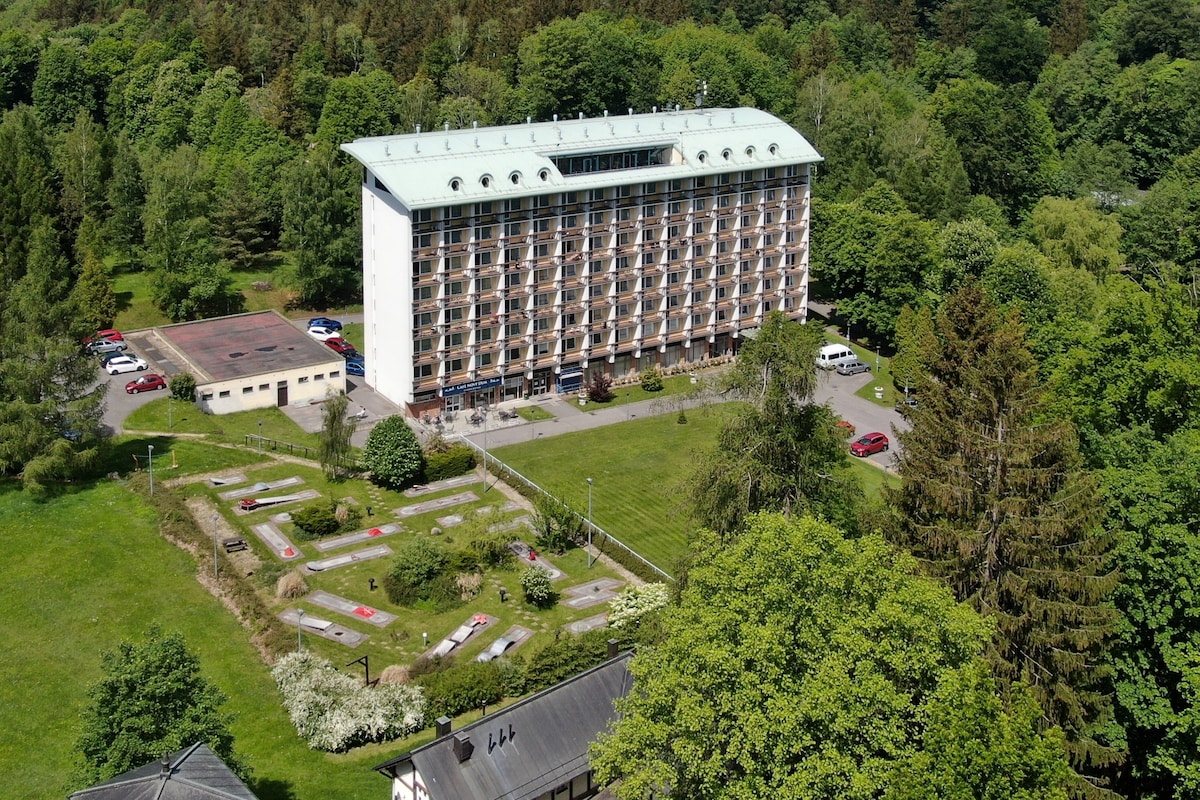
x=216 y=518
x=589 y=522
x=260 y=436
x=170 y=415
x=299 y=630
x=876 y=359
x=485 y=471
x=150 y=459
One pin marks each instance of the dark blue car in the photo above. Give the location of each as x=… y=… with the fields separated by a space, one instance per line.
x=356 y=368
x=325 y=322
x=353 y=355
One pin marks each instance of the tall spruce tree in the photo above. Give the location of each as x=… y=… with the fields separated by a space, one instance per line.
x=995 y=503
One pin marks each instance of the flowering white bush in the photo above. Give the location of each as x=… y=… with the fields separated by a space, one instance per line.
x=635 y=602
x=334 y=712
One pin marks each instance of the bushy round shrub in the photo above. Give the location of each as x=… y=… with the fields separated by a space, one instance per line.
x=393 y=454
x=635 y=602
x=315 y=521
x=537 y=586
x=652 y=380
x=417 y=563
x=183 y=387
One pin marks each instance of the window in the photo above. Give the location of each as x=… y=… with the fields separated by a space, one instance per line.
x=484 y=359
x=262 y=387
x=424 y=293
x=247 y=390
x=514 y=204
x=698 y=273
x=648 y=282
x=512 y=304
x=456 y=365
x=673 y=301
x=512 y=330
x=514 y=354
x=647 y=259
x=456 y=314
x=335 y=373
x=456 y=340
x=595 y=266
x=422 y=268
x=541 y=349
x=542 y=324
x=456 y=288
x=206 y=395
x=224 y=393
x=597 y=338
x=303 y=379
x=512 y=229
x=648 y=306
x=674 y=278
x=512 y=279
x=540 y=300
x=483 y=259
x=423 y=345
x=320 y=376
x=622 y=287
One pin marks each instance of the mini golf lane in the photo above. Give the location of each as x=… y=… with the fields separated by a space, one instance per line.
x=324 y=628
x=273 y=538
x=350 y=608
x=268 y=486
x=436 y=505
x=365 y=554
x=358 y=537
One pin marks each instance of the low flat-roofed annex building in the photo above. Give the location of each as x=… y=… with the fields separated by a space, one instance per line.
x=255 y=360
x=512 y=261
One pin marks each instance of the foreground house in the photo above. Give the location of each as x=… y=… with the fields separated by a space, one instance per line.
x=536 y=749
x=194 y=773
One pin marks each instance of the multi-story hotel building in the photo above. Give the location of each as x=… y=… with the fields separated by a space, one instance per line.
x=511 y=261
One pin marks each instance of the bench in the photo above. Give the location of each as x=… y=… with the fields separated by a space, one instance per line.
x=234 y=544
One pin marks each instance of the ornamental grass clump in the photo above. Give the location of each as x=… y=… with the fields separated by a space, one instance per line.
x=334 y=712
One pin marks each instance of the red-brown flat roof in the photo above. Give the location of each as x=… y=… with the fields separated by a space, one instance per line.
x=226 y=348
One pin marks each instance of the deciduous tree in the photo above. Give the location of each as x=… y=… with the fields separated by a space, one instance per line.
x=336 y=429
x=152 y=700
x=393 y=454
x=802 y=664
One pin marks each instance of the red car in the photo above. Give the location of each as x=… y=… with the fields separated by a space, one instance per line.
x=871 y=443
x=146 y=383
x=339 y=344
x=108 y=334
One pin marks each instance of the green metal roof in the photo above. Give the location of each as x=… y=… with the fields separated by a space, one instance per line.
x=431 y=169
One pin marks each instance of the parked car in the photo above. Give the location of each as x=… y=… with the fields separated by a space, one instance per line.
x=146 y=383
x=116 y=366
x=831 y=356
x=325 y=322
x=107 y=357
x=356 y=368
x=906 y=404
x=339 y=344
x=107 y=333
x=353 y=355
x=853 y=368
x=496 y=650
x=321 y=333
x=846 y=427
x=871 y=443
x=99 y=346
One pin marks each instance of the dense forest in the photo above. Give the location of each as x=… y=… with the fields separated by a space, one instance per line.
x=1043 y=152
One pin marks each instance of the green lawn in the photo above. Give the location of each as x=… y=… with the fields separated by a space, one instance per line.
x=672 y=386
x=534 y=413
x=165 y=415
x=87 y=570
x=636 y=467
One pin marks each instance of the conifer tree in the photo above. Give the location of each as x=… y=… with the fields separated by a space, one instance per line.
x=995 y=503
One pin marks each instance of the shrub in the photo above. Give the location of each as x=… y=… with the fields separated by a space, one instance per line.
x=393 y=454
x=538 y=589
x=347 y=516
x=315 y=521
x=418 y=562
x=555 y=525
x=291 y=586
x=599 y=389
x=635 y=602
x=457 y=459
x=183 y=387
x=463 y=687
x=652 y=380
x=334 y=712
x=491 y=549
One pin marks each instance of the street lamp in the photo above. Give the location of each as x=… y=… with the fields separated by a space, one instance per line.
x=299 y=630
x=486 y=482
x=876 y=359
x=216 y=517
x=589 y=522
x=260 y=436
x=150 y=459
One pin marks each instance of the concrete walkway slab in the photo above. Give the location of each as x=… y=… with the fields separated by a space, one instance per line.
x=350 y=608
x=379 y=551
x=436 y=504
x=324 y=628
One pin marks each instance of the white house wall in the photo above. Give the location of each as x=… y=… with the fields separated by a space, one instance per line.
x=304 y=385
x=387 y=293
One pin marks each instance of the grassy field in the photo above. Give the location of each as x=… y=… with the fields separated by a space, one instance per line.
x=637 y=468
x=88 y=570
x=164 y=415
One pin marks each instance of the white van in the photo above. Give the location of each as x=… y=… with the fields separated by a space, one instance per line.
x=832 y=356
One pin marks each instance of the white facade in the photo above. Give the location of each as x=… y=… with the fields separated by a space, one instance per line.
x=301 y=386
x=499 y=260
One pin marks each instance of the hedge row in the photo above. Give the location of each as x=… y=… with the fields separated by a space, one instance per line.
x=458 y=459
x=175 y=522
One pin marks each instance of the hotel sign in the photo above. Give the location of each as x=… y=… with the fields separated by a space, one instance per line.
x=472 y=386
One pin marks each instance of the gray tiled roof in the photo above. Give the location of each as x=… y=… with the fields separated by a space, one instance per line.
x=194 y=773
x=528 y=748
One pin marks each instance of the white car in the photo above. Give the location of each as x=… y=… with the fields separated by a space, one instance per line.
x=321 y=334
x=119 y=364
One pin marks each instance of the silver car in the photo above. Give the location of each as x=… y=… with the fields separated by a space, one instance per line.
x=115 y=366
x=100 y=346
x=853 y=368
